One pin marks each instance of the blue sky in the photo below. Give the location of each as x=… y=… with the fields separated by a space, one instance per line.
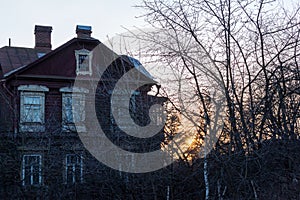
x=17 y=19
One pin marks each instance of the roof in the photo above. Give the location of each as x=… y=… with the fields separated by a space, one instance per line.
x=136 y=63
x=15 y=60
x=12 y=58
x=35 y=57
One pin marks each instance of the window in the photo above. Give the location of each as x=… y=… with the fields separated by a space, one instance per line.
x=32 y=108
x=73 y=108
x=74 y=169
x=157 y=115
x=129 y=164
x=119 y=115
x=83 y=62
x=32 y=169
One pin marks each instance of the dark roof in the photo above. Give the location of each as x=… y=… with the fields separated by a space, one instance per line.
x=136 y=63
x=38 y=59
x=12 y=58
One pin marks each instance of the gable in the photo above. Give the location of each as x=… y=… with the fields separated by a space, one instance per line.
x=61 y=62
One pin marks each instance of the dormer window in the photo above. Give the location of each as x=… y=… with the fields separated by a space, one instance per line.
x=83 y=62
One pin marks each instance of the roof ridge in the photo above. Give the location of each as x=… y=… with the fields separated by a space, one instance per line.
x=51 y=53
x=17 y=47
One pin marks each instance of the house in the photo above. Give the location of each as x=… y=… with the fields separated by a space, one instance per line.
x=42 y=112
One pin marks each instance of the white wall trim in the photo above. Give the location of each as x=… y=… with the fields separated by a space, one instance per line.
x=74 y=89
x=35 y=88
x=90 y=56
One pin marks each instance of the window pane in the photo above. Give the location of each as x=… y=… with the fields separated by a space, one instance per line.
x=75 y=113
x=78 y=109
x=70 y=174
x=32 y=100
x=27 y=176
x=68 y=110
x=35 y=174
x=32 y=113
x=83 y=62
x=73 y=169
x=78 y=174
x=31 y=169
x=32 y=109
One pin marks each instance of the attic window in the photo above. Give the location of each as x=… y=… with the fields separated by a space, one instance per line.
x=83 y=62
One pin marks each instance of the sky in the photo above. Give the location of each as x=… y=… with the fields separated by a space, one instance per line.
x=107 y=18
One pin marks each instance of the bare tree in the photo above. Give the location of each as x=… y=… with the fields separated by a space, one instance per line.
x=249 y=49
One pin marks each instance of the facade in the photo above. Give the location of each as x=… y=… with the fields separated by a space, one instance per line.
x=42 y=156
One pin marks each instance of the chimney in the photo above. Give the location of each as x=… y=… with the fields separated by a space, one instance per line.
x=83 y=31
x=43 y=38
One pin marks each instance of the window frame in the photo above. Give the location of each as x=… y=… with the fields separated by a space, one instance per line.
x=157 y=118
x=40 y=178
x=28 y=109
x=69 y=106
x=78 y=163
x=71 y=92
x=89 y=54
x=124 y=107
x=26 y=125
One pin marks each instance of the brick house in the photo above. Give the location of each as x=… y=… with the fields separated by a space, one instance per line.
x=41 y=154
